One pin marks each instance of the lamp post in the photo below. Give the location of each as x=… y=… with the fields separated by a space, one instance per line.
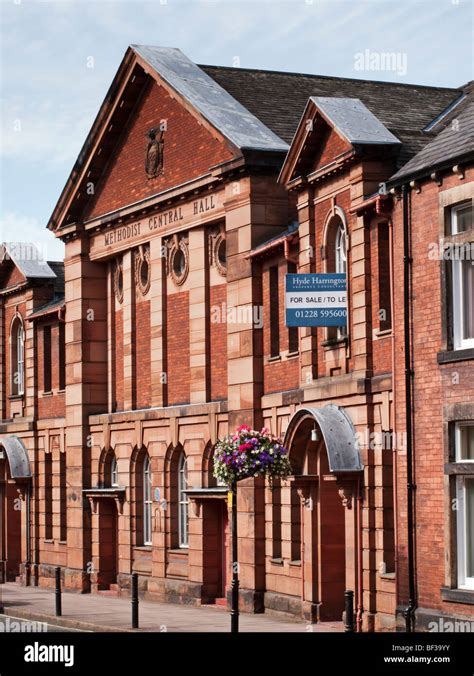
x=234 y=613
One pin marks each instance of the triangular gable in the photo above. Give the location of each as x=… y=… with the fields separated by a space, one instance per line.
x=20 y=261
x=329 y=128
x=210 y=104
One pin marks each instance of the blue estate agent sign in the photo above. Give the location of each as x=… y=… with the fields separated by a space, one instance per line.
x=316 y=299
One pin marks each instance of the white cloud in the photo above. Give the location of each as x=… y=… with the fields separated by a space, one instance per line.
x=15 y=227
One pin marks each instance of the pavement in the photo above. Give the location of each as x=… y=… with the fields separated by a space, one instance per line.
x=92 y=612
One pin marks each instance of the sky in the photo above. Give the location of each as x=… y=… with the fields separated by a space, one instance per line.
x=58 y=58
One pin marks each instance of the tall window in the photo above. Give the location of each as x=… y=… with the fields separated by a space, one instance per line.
x=337 y=262
x=62 y=497
x=340 y=250
x=114 y=472
x=293 y=345
x=48 y=496
x=183 y=501
x=385 y=299
x=464 y=447
x=147 y=502
x=274 y=304
x=461 y=219
x=46 y=358
x=62 y=356
x=17 y=342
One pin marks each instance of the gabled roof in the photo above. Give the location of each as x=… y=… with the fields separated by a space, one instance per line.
x=27 y=259
x=212 y=101
x=201 y=94
x=454 y=143
x=353 y=121
x=278 y=99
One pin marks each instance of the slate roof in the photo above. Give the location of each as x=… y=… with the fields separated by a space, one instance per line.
x=278 y=99
x=28 y=260
x=354 y=120
x=453 y=142
x=45 y=309
x=212 y=100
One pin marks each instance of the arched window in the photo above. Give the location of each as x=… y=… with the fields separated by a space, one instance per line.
x=183 y=501
x=17 y=343
x=147 y=502
x=114 y=472
x=336 y=261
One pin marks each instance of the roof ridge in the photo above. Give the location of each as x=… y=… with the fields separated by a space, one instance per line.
x=331 y=77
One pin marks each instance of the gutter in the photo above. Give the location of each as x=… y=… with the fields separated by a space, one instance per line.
x=409 y=612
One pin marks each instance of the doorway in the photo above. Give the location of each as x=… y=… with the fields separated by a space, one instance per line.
x=108 y=544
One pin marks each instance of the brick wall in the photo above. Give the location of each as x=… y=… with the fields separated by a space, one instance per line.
x=118 y=360
x=330 y=147
x=189 y=151
x=142 y=356
x=434 y=387
x=51 y=404
x=218 y=346
x=178 y=348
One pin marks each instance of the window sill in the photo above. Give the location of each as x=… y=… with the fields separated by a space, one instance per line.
x=458 y=595
x=292 y=355
x=384 y=333
x=16 y=397
x=180 y=550
x=333 y=343
x=275 y=358
x=144 y=548
x=449 y=356
x=276 y=562
x=295 y=563
x=48 y=541
x=48 y=393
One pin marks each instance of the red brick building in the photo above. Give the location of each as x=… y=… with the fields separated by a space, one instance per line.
x=196 y=191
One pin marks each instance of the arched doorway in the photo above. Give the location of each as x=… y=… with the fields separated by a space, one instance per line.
x=326 y=473
x=15 y=484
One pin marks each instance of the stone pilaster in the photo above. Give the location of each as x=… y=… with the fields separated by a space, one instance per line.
x=307 y=263
x=86 y=393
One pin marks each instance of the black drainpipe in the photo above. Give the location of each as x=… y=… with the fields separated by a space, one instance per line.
x=407 y=260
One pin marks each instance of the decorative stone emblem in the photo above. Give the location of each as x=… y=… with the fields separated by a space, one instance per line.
x=217 y=250
x=178 y=259
x=154 y=153
x=142 y=269
x=118 y=280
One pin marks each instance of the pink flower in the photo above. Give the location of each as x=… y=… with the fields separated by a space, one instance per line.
x=243 y=428
x=245 y=447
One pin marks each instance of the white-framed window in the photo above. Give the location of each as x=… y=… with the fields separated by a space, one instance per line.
x=114 y=472
x=461 y=217
x=17 y=343
x=464 y=452
x=340 y=249
x=147 y=502
x=183 y=501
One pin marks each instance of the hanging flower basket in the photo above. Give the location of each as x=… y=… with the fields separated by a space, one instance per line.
x=248 y=453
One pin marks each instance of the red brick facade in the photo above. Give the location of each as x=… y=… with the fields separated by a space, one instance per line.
x=174 y=333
